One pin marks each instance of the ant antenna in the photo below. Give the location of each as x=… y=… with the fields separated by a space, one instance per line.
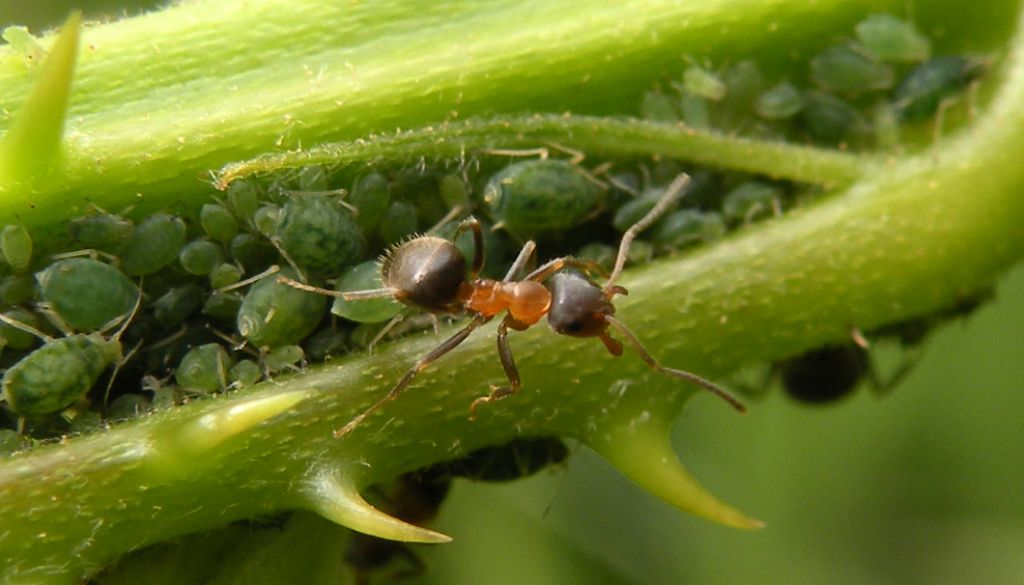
x=681 y=374
x=673 y=192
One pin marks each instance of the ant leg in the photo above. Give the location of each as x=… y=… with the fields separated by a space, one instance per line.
x=446 y=346
x=525 y=254
x=448 y=217
x=354 y=295
x=552 y=266
x=472 y=223
x=511 y=372
x=681 y=374
x=672 y=193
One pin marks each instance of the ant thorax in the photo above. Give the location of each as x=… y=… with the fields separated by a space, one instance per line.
x=526 y=301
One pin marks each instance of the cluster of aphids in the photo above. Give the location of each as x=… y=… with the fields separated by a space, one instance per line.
x=142 y=313
x=857 y=93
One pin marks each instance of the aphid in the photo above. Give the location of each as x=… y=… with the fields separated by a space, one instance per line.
x=200 y=257
x=542 y=196
x=398 y=223
x=744 y=82
x=657 y=106
x=155 y=243
x=319 y=234
x=204 y=369
x=701 y=82
x=177 y=304
x=16 y=245
x=780 y=102
x=751 y=200
x=893 y=39
x=922 y=92
x=218 y=223
x=286 y=357
x=103 y=231
x=830 y=120
x=255 y=254
x=59 y=373
x=843 y=69
x=274 y=314
x=371 y=195
x=17 y=288
x=362 y=277
x=17 y=338
x=430 y=273
x=688 y=227
x=825 y=374
x=87 y=294
x=224 y=275
x=245 y=373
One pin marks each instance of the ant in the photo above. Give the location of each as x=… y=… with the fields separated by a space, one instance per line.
x=429 y=273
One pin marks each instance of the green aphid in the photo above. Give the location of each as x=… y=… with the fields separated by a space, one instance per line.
x=200 y=257
x=920 y=93
x=543 y=196
x=780 y=102
x=223 y=306
x=245 y=373
x=454 y=191
x=104 y=232
x=749 y=201
x=695 y=111
x=17 y=288
x=365 y=276
x=603 y=254
x=58 y=374
x=14 y=337
x=893 y=39
x=254 y=253
x=225 y=275
x=218 y=223
x=400 y=222
x=155 y=243
x=265 y=219
x=16 y=245
x=204 y=369
x=701 y=82
x=630 y=212
x=87 y=294
x=319 y=234
x=283 y=358
x=244 y=200
x=371 y=195
x=326 y=343
x=744 y=82
x=129 y=406
x=659 y=107
x=841 y=68
x=687 y=227
x=177 y=304
x=830 y=120
x=275 y=314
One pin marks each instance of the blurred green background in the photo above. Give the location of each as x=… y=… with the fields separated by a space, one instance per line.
x=923 y=486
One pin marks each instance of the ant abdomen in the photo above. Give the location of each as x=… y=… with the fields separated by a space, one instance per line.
x=426 y=272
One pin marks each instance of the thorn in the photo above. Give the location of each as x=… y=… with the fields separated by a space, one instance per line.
x=644 y=455
x=213 y=428
x=33 y=142
x=335 y=497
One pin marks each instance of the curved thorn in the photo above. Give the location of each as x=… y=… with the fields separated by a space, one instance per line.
x=337 y=499
x=34 y=140
x=643 y=454
x=213 y=428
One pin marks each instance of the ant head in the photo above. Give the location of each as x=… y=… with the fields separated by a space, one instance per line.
x=578 y=306
x=425 y=272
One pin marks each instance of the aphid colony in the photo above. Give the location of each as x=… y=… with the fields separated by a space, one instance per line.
x=143 y=312
x=856 y=93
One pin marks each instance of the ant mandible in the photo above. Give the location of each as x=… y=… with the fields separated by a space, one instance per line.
x=429 y=273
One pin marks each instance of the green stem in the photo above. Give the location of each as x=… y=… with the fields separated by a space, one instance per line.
x=605 y=137
x=911 y=237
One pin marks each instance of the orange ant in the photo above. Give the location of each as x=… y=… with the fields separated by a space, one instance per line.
x=429 y=272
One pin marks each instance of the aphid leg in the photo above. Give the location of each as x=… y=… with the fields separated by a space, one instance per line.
x=287 y=258
x=113 y=375
x=246 y=282
x=26 y=328
x=681 y=374
x=511 y=372
x=552 y=266
x=472 y=223
x=446 y=346
x=672 y=193
x=384 y=331
x=524 y=257
x=454 y=212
